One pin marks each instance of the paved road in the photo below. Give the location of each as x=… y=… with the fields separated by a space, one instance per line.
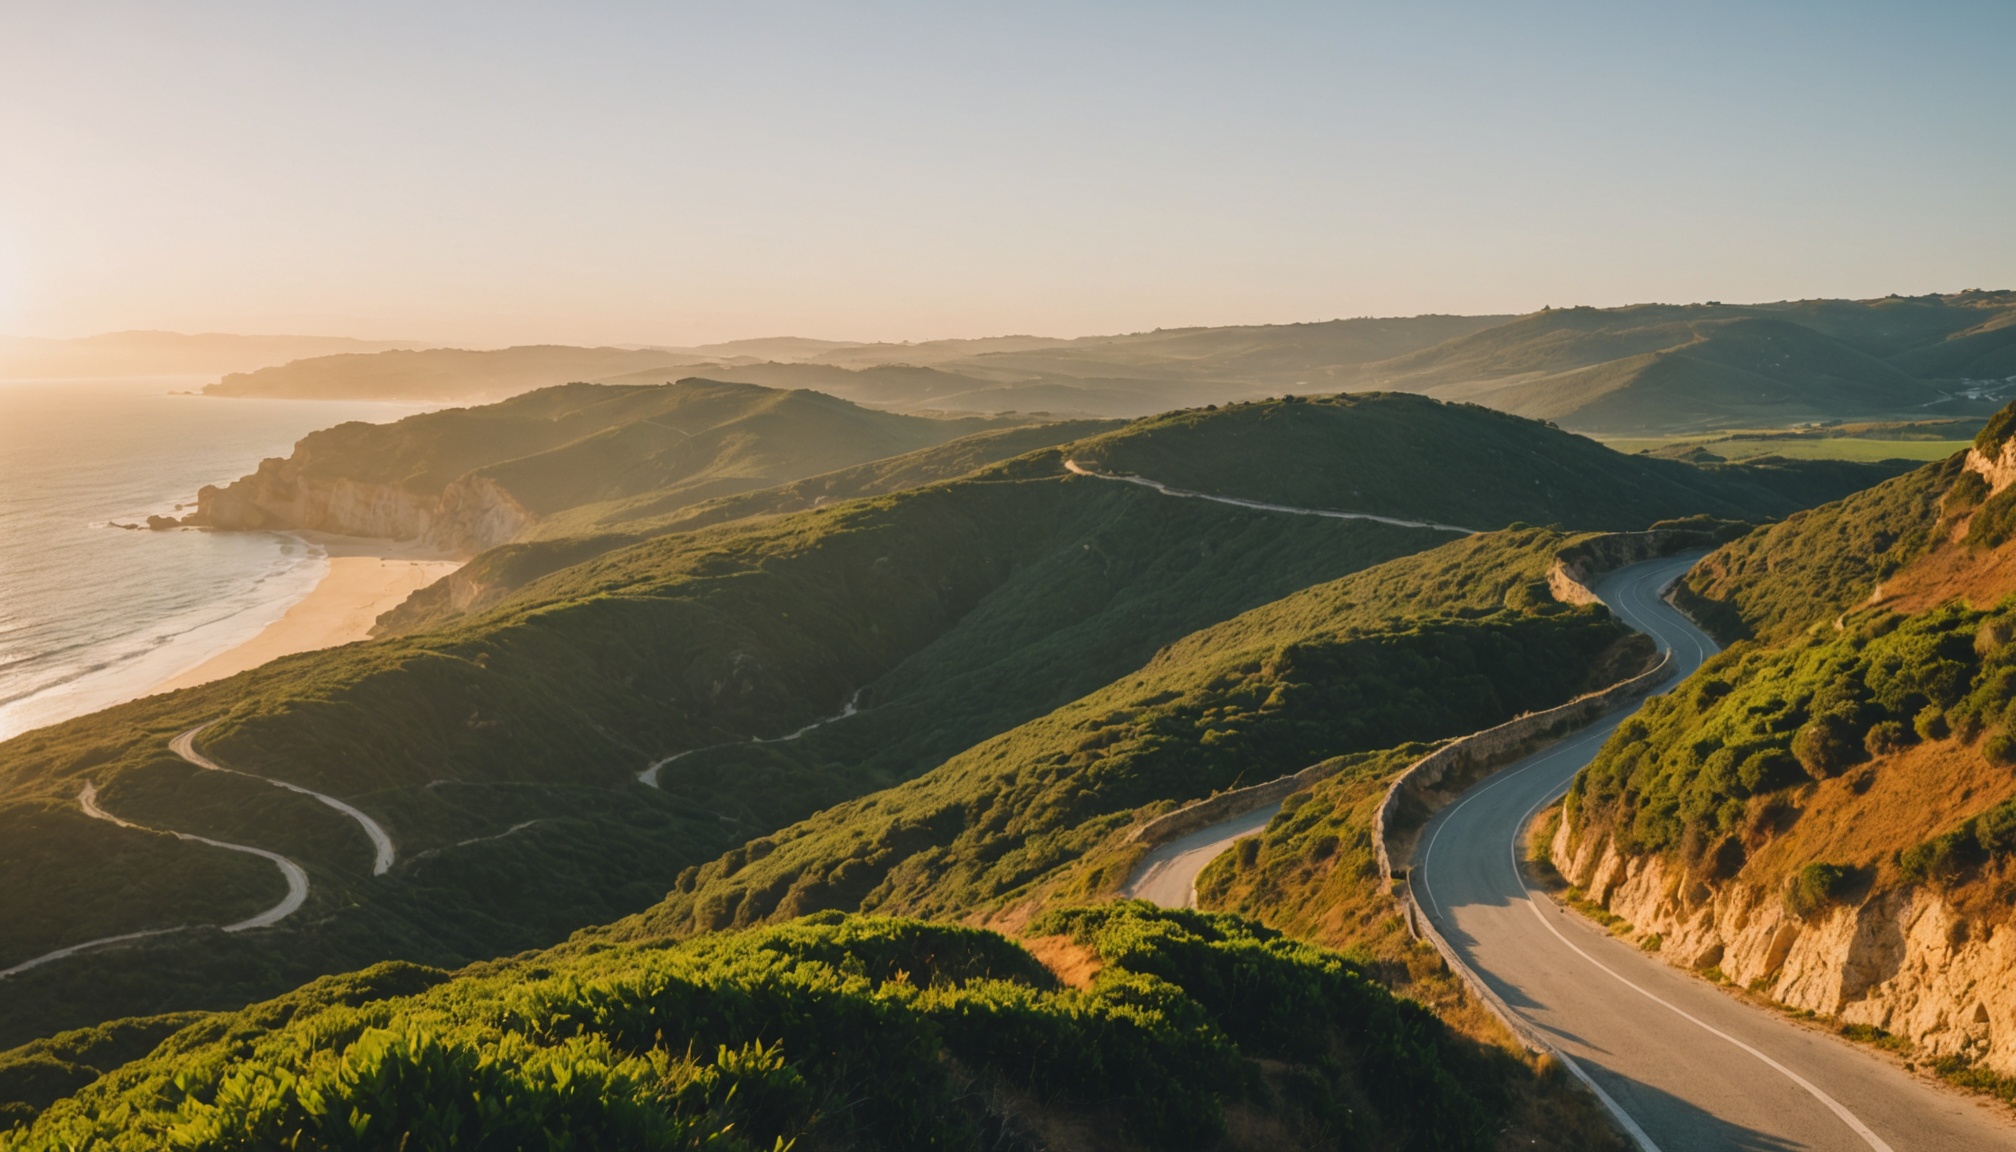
x=1689 y=1065
x=1168 y=874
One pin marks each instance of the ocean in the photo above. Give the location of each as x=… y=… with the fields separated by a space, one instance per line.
x=92 y=615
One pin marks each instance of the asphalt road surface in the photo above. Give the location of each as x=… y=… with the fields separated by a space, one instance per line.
x=1168 y=874
x=1687 y=1065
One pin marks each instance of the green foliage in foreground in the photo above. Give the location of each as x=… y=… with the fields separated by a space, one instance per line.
x=1786 y=577
x=833 y=1032
x=1420 y=649
x=1683 y=771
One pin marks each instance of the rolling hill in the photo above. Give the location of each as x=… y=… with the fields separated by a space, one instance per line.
x=1643 y=369
x=508 y=744
x=464 y=479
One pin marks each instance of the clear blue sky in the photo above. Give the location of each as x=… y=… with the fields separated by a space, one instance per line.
x=500 y=172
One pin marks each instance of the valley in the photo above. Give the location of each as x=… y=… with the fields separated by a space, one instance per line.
x=685 y=696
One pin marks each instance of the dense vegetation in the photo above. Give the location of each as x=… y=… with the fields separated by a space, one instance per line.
x=1700 y=765
x=1786 y=577
x=829 y=1032
x=580 y=534
x=502 y=753
x=1402 y=455
x=559 y=448
x=1417 y=649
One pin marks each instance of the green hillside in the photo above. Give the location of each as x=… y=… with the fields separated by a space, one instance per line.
x=1397 y=454
x=1417 y=649
x=502 y=751
x=831 y=1032
x=576 y=535
x=558 y=448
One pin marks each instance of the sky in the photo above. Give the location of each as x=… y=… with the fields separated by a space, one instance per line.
x=655 y=172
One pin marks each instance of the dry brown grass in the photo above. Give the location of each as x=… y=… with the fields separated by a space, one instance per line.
x=1875 y=810
x=1069 y=961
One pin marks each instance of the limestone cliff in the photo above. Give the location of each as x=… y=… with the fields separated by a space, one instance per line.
x=1902 y=960
x=471 y=514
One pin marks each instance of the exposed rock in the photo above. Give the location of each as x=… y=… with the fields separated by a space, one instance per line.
x=1903 y=960
x=471 y=514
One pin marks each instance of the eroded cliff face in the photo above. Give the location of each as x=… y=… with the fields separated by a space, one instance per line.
x=1903 y=961
x=471 y=514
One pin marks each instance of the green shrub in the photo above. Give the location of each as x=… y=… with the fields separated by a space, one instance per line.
x=1930 y=723
x=827 y=1032
x=1826 y=745
x=1818 y=887
x=1886 y=737
x=2000 y=747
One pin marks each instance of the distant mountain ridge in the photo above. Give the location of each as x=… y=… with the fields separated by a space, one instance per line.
x=146 y=353
x=1647 y=368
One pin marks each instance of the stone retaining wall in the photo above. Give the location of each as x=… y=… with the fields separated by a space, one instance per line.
x=1435 y=779
x=1226 y=805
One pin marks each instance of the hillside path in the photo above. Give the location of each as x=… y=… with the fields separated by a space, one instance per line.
x=1076 y=469
x=294 y=874
x=1689 y=1065
x=382 y=852
x=649 y=776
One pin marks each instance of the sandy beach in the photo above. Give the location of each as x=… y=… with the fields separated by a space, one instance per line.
x=365 y=578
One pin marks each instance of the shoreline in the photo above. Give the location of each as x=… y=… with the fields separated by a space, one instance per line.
x=366 y=577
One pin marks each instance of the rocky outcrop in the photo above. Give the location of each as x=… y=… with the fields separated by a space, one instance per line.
x=1902 y=960
x=471 y=514
x=1999 y=470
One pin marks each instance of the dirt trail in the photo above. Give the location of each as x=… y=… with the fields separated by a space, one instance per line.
x=381 y=843
x=649 y=776
x=1076 y=469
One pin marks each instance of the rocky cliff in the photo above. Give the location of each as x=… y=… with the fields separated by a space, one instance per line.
x=1901 y=960
x=470 y=514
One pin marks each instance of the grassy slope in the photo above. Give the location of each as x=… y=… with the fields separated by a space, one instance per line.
x=544 y=709
x=1816 y=564
x=963 y=610
x=1193 y=1031
x=575 y=444
x=1650 y=367
x=1404 y=455
x=579 y=534
x=1415 y=649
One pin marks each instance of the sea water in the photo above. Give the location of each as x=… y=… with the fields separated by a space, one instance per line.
x=92 y=614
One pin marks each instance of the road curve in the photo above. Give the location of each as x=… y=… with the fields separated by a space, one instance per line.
x=1686 y=1065
x=1167 y=875
x=1076 y=469
x=382 y=852
x=294 y=874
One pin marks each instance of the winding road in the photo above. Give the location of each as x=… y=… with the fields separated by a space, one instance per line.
x=1682 y=1064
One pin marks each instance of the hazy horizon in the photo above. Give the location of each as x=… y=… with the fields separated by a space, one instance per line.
x=684 y=174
